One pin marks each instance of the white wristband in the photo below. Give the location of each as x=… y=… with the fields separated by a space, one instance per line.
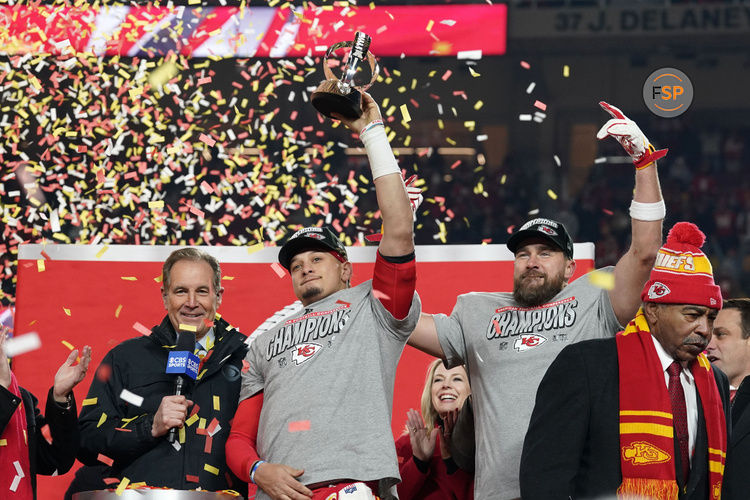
x=382 y=161
x=648 y=211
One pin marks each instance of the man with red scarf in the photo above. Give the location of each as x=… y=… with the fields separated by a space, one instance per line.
x=642 y=415
x=33 y=443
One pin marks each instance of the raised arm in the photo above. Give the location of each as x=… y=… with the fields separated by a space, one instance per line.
x=647 y=214
x=395 y=208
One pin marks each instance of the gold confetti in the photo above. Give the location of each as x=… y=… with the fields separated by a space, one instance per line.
x=187 y=328
x=102 y=419
x=211 y=469
x=102 y=250
x=40 y=265
x=122 y=486
x=89 y=402
x=551 y=194
x=602 y=279
x=254 y=248
x=217 y=404
x=68 y=345
x=117 y=311
x=405 y=113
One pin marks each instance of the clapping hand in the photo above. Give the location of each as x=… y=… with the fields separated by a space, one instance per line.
x=422 y=442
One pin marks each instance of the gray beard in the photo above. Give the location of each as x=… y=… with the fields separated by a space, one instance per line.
x=533 y=296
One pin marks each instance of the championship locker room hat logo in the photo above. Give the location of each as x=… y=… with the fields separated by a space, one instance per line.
x=547 y=229
x=310 y=238
x=682 y=273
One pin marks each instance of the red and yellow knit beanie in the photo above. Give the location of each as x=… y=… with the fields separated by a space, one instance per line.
x=682 y=274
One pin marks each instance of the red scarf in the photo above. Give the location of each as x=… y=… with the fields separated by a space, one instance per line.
x=15 y=453
x=646 y=430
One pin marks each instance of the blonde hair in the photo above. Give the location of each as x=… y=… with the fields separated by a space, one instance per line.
x=429 y=414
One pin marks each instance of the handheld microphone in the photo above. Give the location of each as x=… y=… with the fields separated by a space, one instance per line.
x=183 y=363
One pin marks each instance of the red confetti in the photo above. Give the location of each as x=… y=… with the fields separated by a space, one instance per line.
x=47 y=433
x=192 y=479
x=143 y=330
x=540 y=105
x=209 y=443
x=299 y=426
x=103 y=372
x=207 y=140
x=525 y=65
x=212 y=426
x=105 y=459
x=46 y=257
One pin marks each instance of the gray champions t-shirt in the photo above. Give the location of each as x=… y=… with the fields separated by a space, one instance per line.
x=508 y=350
x=327 y=373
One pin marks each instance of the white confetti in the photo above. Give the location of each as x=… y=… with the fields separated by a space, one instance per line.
x=557 y=160
x=601 y=159
x=133 y=399
x=524 y=118
x=469 y=54
x=530 y=88
x=22 y=344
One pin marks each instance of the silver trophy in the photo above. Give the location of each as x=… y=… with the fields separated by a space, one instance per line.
x=343 y=96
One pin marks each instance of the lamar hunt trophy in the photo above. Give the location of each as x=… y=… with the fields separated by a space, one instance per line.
x=344 y=96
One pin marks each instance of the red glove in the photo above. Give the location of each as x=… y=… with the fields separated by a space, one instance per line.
x=630 y=136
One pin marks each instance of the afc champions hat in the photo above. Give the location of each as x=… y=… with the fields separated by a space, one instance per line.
x=547 y=229
x=310 y=238
x=682 y=273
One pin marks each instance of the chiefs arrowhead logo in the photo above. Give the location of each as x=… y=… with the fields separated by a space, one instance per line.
x=643 y=453
x=548 y=230
x=303 y=352
x=658 y=290
x=315 y=235
x=528 y=341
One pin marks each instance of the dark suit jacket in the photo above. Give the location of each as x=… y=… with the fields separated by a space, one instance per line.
x=572 y=447
x=737 y=472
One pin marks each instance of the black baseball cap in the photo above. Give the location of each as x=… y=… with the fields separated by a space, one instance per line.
x=310 y=238
x=548 y=229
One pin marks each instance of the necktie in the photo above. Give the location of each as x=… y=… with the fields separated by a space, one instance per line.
x=679 y=415
x=200 y=351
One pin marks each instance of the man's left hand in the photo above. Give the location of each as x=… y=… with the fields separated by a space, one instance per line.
x=370 y=112
x=69 y=375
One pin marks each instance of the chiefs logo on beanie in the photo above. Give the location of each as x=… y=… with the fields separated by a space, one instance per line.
x=682 y=274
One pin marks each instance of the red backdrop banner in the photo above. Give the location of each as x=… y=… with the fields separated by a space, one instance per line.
x=99 y=295
x=154 y=31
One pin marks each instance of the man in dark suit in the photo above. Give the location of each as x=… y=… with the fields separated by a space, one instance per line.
x=642 y=413
x=729 y=351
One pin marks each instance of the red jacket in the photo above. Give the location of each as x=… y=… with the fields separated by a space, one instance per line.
x=436 y=483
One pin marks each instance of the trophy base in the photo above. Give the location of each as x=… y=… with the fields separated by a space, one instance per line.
x=328 y=100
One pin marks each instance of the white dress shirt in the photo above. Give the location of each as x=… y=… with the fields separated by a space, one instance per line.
x=688 y=387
